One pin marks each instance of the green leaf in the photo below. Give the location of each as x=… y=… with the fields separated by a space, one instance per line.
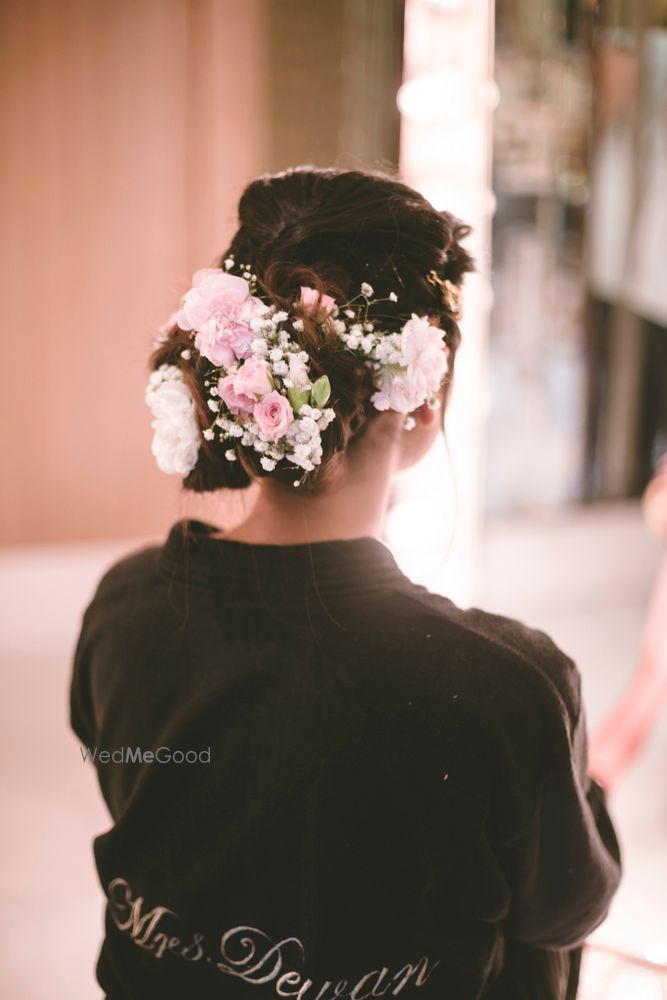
x=320 y=391
x=298 y=397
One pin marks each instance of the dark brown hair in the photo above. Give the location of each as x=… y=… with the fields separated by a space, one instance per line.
x=330 y=229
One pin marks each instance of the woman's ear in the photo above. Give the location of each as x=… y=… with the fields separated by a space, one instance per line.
x=416 y=441
x=426 y=415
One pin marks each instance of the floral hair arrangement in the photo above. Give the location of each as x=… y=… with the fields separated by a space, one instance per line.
x=259 y=389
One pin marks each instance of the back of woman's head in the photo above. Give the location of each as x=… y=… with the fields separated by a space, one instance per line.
x=331 y=230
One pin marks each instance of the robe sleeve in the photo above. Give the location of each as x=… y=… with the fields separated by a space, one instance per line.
x=81 y=716
x=564 y=864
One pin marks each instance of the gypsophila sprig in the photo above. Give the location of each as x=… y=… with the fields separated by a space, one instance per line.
x=259 y=390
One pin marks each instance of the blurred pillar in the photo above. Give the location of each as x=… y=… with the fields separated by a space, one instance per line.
x=446 y=103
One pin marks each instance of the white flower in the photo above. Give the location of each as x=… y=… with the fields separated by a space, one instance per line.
x=267 y=463
x=298 y=325
x=424 y=352
x=366 y=290
x=259 y=346
x=176 y=438
x=298 y=371
x=394 y=392
x=209 y=433
x=416 y=370
x=280 y=316
x=230 y=455
x=186 y=354
x=393 y=297
x=229 y=263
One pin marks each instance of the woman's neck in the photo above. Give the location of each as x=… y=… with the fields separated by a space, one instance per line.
x=352 y=507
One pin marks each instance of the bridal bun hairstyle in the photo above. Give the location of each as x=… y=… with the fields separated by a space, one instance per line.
x=330 y=230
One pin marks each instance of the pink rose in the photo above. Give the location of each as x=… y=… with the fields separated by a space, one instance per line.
x=241 y=386
x=316 y=301
x=252 y=378
x=273 y=414
x=219 y=308
x=232 y=400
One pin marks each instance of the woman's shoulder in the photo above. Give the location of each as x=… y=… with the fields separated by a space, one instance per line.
x=490 y=654
x=126 y=574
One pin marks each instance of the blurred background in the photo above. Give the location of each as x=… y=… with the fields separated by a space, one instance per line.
x=128 y=132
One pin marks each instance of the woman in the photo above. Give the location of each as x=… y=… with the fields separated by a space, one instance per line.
x=327 y=781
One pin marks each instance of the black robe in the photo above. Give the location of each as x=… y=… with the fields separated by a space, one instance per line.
x=380 y=793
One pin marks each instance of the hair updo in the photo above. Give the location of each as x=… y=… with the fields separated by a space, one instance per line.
x=330 y=229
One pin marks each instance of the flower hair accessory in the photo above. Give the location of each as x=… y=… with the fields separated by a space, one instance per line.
x=451 y=293
x=258 y=382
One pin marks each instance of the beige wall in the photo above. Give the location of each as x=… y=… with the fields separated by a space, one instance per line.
x=128 y=131
x=129 y=128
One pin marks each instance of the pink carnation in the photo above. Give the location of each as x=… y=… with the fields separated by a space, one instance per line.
x=396 y=392
x=316 y=301
x=423 y=349
x=273 y=414
x=219 y=308
x=424 y=362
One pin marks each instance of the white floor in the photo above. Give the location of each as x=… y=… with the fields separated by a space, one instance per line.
x=585 y=577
